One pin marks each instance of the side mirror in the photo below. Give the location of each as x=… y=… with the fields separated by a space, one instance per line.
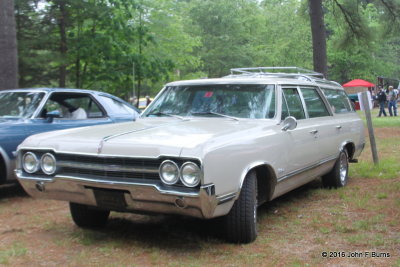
x=52 y=114
x=289 y=123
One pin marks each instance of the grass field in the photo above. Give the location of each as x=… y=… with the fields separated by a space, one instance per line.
x=357 y=226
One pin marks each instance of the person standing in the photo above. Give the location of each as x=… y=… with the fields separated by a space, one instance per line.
x=381 y=97
x=148 y=100
x=392 y=98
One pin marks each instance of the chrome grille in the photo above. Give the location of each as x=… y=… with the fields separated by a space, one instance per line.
x=97 y=167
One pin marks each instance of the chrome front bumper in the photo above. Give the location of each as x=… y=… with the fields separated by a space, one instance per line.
x=137 y=197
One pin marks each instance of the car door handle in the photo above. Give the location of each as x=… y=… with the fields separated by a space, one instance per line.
x=313 y=131
x=339 y=127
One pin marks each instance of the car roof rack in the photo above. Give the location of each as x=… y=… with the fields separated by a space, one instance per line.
x=281 y=72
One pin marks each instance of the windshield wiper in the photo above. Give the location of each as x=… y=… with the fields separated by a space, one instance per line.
x=214 y=113
x=165 y=114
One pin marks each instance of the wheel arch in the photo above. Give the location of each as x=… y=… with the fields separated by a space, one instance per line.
x=266 y=180
x=350 y=147
x=4 y=166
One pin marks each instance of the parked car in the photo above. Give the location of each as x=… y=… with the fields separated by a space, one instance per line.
x=143 y=102
x=24 y=112
x=203 y=148
x=354 y=99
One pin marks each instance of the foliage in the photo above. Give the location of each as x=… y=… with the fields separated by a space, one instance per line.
x=361 y=44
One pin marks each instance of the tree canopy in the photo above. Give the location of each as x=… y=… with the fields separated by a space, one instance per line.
x=123 y=46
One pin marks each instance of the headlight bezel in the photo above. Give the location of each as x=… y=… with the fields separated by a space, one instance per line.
x=181 y=174
x=53 y=158
x=37 y=162
x=160 y=171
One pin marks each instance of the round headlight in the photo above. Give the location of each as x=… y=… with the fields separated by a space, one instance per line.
x=190 y=174
x=48 y=164
x=30 y=162
x=169 y=172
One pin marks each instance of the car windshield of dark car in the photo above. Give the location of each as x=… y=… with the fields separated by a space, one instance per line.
x=254 y=101
x=19 y=104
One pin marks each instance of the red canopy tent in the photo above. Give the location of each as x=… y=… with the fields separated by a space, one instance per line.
x=355 y=86
x=358 y=83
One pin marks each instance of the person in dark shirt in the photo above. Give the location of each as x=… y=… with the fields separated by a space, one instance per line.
x=381 y=97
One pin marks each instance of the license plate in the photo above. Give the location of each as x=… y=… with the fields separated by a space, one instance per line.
x=112 y=199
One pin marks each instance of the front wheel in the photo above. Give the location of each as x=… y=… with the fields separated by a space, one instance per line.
x=88 y=217
x=339 y=175
x=241 y=222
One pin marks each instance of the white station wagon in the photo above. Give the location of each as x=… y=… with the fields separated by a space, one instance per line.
x=204 y=148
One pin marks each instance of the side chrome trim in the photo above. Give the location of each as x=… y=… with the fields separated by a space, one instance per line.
x=226 y=198
x=313 y=166
x=209 y=189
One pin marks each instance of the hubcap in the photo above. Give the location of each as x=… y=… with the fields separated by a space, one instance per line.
x=343 y=167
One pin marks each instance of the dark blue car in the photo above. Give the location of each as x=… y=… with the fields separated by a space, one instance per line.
x=24 y=112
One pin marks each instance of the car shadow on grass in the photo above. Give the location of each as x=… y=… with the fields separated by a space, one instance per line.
x=171 y=232
x=11 y=190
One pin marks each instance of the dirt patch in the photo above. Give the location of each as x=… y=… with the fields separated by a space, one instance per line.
x=386 y=132
x=294 y=229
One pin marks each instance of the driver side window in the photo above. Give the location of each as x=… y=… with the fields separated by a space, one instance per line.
x=72 y=106
x=291 y=104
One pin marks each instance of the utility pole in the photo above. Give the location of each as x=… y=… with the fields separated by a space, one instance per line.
x=371 y=134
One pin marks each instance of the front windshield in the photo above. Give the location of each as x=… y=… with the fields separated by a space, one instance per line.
x=254 y=101
x=19 y=104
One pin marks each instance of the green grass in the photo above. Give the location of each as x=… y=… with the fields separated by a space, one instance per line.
x=387 y=168
x=16 y=250
x=388 y=151
x=380 y=122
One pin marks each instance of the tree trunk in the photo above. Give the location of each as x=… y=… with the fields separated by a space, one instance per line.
x=8 y=46
x=63 y=43
x=318 y=36
x=139 y=66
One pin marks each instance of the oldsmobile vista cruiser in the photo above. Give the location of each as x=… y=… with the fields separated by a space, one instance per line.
x=203 y=148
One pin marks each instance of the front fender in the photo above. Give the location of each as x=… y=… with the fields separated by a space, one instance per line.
x=9 y=167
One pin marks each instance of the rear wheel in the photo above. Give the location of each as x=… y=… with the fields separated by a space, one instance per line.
x=241 y=222
x=87 y=216
x=338 y=176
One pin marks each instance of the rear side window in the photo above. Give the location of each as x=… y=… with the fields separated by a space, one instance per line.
x=291 y=104
x=314 y=103
x=118 y=107
x=338 y=100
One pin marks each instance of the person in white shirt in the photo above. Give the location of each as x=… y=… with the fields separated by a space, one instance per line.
x=392 y=101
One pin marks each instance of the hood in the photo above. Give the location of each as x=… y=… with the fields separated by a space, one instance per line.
x=10 y=127
x=11 y=121
x=147 y=137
